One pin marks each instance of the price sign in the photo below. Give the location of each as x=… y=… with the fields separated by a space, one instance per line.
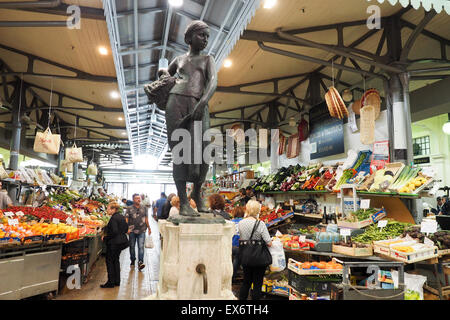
x=382 y=223
x=339 y=196
x=302 y=238
x=365 y=204
x=9 y=214
x=428 y=242
x=55 y=221
x=345 y=232
x=19 y=213
x=69 y=221
x=13 y=222
x=291 y=202
x=428 y=226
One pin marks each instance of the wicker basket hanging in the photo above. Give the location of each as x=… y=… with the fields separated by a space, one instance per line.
x=336 y=105
x=372 y=97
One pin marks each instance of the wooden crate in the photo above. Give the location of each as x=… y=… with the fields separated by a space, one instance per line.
x=353 y=251
x=411 y=257
x=383 y=246
x=364 y=223
x=292 y=265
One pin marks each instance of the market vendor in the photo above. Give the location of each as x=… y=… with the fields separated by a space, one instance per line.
x=5 y=200
x=445 y=208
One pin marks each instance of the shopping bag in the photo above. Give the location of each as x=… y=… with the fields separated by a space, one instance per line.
x=149 y=242
x=278 y=257
x=46 y=142
x=66 y=166
x=3 y=173
x=92 y=169
x=74 y=154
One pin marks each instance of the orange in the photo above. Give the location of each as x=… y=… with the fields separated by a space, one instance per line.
x=306 y=265
x=322 y=265
x=315 y=264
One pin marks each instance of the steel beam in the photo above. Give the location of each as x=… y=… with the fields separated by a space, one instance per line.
x=417 y=31
x=79 y=74
x=315 y=60
x=337 y=51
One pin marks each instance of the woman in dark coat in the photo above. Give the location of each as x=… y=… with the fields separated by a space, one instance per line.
x=188 y=103
x=116 y=240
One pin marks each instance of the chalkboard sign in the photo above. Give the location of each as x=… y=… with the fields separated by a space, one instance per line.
x=326 y=134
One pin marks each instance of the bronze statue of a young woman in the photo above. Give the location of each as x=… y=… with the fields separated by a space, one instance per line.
x=188 y=102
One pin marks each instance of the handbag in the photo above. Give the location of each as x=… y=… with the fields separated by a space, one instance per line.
x=254 y=253
x=74 y=154
x=158 y=91
x=47 y=142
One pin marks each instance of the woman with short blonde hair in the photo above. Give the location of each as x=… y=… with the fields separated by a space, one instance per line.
x=253 y=275
x=175 y=202
x=252 y=209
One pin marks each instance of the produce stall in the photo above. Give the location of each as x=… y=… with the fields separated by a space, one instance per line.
x=66 y=231
x=354 y=213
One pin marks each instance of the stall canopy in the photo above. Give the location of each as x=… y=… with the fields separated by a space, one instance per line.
x=41 y=54
x=437 y=5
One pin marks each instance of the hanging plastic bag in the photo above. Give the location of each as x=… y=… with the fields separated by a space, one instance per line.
x=74 y=154
x=278 y=257
x=46 y=142
x=413 y=285
x=149 y=242
x=92 y=169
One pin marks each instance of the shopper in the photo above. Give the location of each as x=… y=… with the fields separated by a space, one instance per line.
x=439 y=204
x=445 y=209
x=238 y=214
x=175 y=209
x=5 y=200
x=253 y=275
x=217 y=205
x=157 y=209
x=115 y=240
x=137 y=219
x=167 y=206
x=145 y=201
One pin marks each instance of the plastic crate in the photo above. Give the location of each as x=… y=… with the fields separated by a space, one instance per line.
x=313 y=283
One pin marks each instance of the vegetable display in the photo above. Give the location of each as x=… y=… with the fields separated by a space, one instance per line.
x=373 y=233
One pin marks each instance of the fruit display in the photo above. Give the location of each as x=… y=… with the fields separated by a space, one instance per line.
x=330 y=265
x=409 y=180
x=268 y=215
x=441 y=239
x=44 y=212
x=293 y=243
x=23 y=230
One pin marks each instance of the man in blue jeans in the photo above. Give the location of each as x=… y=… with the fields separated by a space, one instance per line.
x=157 y=209
x=137 y=220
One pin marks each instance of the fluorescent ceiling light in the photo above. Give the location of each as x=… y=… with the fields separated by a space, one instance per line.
x=269 y=4
x=120 y=118
x=176 y=3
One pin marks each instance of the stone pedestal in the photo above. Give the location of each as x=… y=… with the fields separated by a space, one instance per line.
x=187 y=245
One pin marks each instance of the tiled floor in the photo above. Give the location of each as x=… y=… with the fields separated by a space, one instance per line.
x=135 y=284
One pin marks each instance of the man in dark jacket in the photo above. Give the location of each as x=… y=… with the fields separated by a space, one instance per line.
x=116 y=240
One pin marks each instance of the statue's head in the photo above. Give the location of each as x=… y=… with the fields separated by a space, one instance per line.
x=197 y=35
